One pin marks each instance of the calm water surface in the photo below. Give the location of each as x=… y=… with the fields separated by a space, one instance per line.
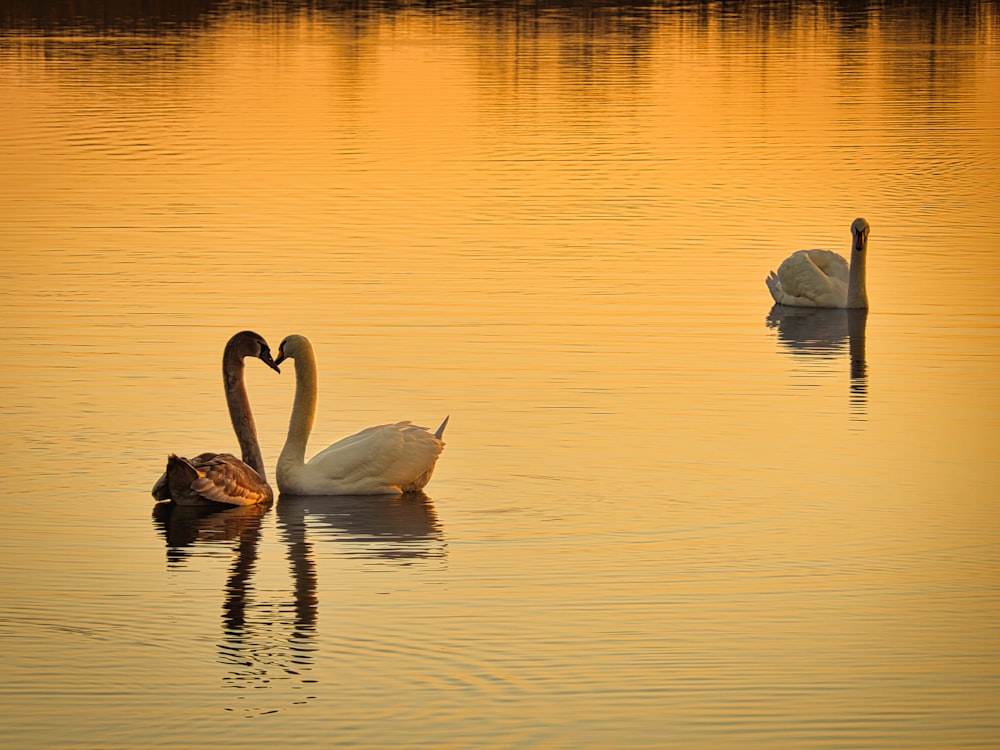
x=667 y=515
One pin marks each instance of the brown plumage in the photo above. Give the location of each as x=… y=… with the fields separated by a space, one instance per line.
x=221 y=477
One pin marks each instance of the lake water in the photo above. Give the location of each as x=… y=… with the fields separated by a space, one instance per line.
x=667 y=516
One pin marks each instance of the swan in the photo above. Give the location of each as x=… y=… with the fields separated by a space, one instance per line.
x=822 y=278
x=221 y=477
x=388 y=459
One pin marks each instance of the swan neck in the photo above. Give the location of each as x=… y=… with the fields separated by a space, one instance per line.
x=303 y=411
x=857 y=293
x=233 y=374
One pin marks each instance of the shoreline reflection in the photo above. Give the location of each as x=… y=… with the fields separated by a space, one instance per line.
x=171 y=17
x=818 y=334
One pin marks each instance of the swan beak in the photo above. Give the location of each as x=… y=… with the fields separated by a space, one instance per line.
x=265 y=357
x=281 y=358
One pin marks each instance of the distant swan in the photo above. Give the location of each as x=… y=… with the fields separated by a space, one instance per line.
x=221 y=477
x=822 y=278
x=389 y=459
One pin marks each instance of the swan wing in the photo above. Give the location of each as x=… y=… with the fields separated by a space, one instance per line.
x=811 y=278
x=226 y=479
x=384 y=458
x=830 y=263
x=216 y=477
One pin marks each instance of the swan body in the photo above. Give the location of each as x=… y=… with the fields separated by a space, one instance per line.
x=823 y=278
x=387 y=459
x=221 y=477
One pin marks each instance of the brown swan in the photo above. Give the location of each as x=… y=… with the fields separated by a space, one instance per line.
x=221 y=477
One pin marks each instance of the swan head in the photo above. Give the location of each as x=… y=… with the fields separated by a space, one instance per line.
x=251 y=344
x=859 y=230
x=290 y=346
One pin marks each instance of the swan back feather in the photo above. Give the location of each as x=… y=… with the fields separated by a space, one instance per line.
x=823 y=278
x=215 y=477
x=385 y=459
x=811 y=278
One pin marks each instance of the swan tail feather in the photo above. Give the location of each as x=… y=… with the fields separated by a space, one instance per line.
x=161 y=490
x=772 y=285
x=440 y=430
x=177 y=477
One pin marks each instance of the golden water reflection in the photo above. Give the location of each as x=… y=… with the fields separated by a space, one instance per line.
x=552 y=221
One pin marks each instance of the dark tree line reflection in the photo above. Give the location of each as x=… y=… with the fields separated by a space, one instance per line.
x=515 y=40
x=594 y=16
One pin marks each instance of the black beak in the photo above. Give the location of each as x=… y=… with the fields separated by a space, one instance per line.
x=281 y=358
x=265 y=356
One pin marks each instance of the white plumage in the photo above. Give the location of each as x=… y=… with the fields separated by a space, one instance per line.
x=385 y=459
x=823 y=278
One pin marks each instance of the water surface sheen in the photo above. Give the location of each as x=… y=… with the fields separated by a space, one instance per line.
x=667 y=515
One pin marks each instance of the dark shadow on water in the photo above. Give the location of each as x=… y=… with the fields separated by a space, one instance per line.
x=818 y=334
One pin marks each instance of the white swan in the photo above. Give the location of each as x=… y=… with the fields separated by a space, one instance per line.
x=389 y=459
x=221 y=477
x=822 y=278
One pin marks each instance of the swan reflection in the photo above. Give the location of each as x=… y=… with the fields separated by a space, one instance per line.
x=184 y=526
x=819 y=334
x=400 y=529
x=263 y=644
x=271 y=644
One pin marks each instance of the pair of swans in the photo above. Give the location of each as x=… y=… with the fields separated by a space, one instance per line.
x=387 y=459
